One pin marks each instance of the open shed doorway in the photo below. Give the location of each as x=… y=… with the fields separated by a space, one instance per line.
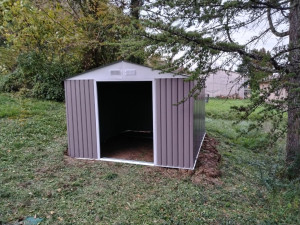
x=126 y=120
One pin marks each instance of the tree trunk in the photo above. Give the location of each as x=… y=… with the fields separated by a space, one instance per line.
x=135 y=8
x=293 y=132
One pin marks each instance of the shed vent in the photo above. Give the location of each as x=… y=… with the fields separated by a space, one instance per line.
x=115 y=72
x=130 y=72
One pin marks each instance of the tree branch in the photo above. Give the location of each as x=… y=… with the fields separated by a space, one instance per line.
x=285 y=50
x=274 y=31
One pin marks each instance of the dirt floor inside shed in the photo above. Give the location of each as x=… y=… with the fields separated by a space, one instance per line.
x=129 y=146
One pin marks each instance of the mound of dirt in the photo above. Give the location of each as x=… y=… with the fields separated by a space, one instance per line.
x=207 y=169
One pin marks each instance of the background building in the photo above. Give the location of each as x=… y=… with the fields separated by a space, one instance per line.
x=225 y=84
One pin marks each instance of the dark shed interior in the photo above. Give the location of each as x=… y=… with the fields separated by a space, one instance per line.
x=125 y=120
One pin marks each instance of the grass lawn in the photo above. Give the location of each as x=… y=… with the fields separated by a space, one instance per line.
x=36 y=179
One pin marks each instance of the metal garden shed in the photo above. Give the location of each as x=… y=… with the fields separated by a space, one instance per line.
x=124 y=108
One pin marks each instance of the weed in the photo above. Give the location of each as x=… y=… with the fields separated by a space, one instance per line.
x=111 y=176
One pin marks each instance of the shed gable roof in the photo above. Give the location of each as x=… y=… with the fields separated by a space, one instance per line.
x=124 y=71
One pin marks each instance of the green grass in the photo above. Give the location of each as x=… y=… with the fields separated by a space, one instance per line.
x=221 y=109
x=36 y=178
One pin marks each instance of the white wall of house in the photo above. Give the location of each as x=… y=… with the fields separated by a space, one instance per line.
x=225 y=84
x=278 y=95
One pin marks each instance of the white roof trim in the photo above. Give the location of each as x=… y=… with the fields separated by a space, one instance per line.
x=124 y=71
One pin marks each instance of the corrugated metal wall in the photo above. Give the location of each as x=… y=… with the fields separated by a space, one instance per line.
x=81 y=119
x=178 y=141
x=199 y=121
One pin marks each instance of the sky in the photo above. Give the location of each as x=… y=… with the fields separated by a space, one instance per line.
x=268 y=42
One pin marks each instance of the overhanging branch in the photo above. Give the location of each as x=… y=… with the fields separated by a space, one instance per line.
x=274 y=31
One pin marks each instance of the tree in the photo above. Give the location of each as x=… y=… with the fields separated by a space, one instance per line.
x=135 y=10
x=203 y=36
x=104 y=25
x=44 y=42
x=41 y=47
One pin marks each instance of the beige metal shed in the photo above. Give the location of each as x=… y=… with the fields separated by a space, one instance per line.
x=126 y=98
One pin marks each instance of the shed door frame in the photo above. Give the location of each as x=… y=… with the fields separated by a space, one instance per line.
x=154 y=119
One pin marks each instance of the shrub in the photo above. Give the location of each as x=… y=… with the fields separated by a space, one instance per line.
x=11 y=82
x=39 y=76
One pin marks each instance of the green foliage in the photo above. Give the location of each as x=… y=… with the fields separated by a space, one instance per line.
x=250 y=69
x=47 y=42
x=11 y=83
x=294 y=168
x=36 y=77
x=102 y=25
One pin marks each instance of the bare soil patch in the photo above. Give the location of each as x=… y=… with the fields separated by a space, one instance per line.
x=207 y=169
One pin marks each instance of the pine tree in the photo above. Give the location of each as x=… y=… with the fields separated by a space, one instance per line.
x=203 y=36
